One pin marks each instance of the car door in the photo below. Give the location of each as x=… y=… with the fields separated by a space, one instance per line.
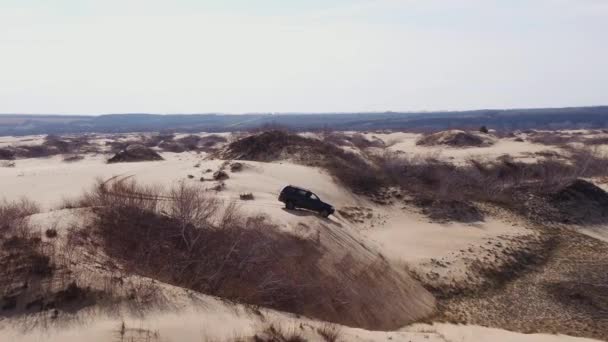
x=314 y=202
x=300 y=199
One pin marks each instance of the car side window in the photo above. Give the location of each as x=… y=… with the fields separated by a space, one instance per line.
x=314 y=197
x=302 y=193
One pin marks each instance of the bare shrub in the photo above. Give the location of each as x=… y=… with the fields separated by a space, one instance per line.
x=186 y=238
x=13 y=215
x=275 y=333
x=588 y=162
x=25 y=259
x=329 y=332
x=445 y=190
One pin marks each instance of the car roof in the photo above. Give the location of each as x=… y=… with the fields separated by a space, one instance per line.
x=297 y=188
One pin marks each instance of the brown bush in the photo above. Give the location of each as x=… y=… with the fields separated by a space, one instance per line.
x=24 y=257
x=186 y=238
x=13 y=214
x=439 y=185
x=7 y=154
x=596 y=141
x=135 y=153
x=223 y=257
x=350 y=169
x=552 y=138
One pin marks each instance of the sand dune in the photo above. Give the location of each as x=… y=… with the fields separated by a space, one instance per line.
x=362 y=231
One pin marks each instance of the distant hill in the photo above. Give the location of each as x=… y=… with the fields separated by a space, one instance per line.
x=547 y=118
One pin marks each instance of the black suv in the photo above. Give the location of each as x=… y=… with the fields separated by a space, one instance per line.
x=295 y=197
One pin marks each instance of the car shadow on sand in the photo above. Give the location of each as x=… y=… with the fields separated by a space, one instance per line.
x=304 y=213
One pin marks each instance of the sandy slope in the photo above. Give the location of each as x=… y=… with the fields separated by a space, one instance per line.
x=212 y=320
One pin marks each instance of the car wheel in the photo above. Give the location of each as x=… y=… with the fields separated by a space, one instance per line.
x=290 y=206
x=325 y=213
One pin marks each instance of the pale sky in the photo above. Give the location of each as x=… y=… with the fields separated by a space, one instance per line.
x=239 y=56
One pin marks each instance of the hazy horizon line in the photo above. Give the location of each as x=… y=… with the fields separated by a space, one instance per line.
x=311 y=113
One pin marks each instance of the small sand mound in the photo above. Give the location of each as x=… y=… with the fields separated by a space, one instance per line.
x=268 y=146
x=457 y=138
x=580 y=202
x=135 y=153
